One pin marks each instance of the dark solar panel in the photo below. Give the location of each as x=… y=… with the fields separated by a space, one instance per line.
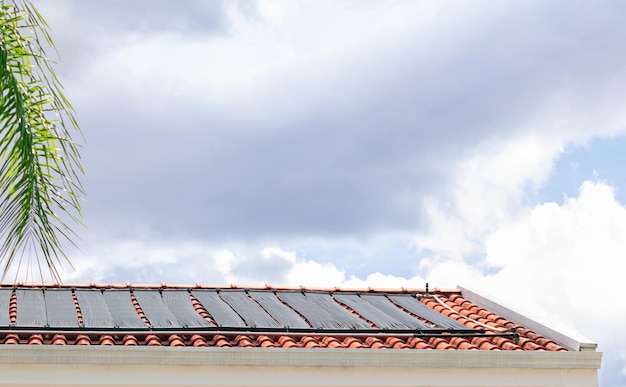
x=322 y=311
x=411 y=304
x=155 y=309
x=179 y=303
x=31 y=308
x=60 y=308
x=249 y=310
x=379 y=310
x=5 y=301
x=122 y=309
x=94 y=309
x=221 y=312
x=285 y=316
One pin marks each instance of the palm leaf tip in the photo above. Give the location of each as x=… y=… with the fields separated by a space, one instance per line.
x=39 y=161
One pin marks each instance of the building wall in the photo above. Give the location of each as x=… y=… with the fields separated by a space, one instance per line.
x=108 y=366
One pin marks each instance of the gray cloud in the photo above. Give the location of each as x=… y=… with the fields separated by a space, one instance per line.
x=82 y=30
x=318 y=130
x=348 y=147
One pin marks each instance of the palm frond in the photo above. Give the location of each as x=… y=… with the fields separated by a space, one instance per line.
x=40 y=189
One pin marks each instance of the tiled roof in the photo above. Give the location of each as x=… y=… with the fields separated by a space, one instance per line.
x=201 y=316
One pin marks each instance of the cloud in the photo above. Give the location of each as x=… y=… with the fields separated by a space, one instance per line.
x=337 y=133
x=558 y=263
x=329 y=119
x=491 y=188
x=573 y=253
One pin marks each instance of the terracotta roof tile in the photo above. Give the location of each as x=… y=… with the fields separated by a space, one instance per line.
x=153 y=341
x=82 y=340
x=129 y=340
x=198 y=341
x=374 y=342
x=419 y=343
x=221 y=341
x=484 y=344
x=11 y=339
x=106 y=340
x=139 y=310
x=331 y=342
x=440 y=343
x=482 y=329
x=59 y=340
x=36 y=339
x=266 y=342
x=243 y=341
x=287 y=342
x=462 y=343
x=13 y=309
x=79 y=313
x=396 y=343
x=175 y=341
x=310 y=342
x=353 y=342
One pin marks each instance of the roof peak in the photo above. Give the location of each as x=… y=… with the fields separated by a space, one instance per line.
x=164 y=285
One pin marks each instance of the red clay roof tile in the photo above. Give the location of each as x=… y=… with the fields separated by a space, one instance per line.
x=35 y=339
x=175 y=341
x=353 y=342
x=485 y=330
x=374 y=342
x=82 y=340
x=129 y=340
x=153 y=341
x=198 y=341
x=331 y=342
x=419 y=343
x=59 y=340
x=106 y=340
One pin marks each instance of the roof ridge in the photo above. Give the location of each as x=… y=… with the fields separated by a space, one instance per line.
x=163 y=285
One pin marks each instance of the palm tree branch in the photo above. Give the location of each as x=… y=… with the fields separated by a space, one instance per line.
x=39 y=161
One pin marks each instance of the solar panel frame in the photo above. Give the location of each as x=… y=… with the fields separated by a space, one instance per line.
x=5 y=303
x=379 y=310
x=221 y=312
x=179 y=303
x=31 y=308
x=322 y=311
x=122 y=310
x=251 y=312
x=94 y=309
x=282 y=313
x=414 y=306
x=60 y=309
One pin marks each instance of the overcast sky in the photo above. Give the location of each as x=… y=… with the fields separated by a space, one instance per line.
x=358 y=143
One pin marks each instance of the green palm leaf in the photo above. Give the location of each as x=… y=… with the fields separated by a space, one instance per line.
x=40 y=190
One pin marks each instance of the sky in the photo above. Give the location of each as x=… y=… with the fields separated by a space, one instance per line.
x=356 y=144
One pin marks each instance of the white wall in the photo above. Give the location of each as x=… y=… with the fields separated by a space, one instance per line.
x=102 y=366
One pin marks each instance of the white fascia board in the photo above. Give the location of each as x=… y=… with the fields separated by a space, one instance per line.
x=492 y=306
x=298 y=357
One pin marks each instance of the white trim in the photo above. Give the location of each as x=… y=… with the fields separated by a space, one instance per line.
x=296 y=357
x=526 y=322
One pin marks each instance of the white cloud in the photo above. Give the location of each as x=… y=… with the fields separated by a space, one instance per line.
x=562 y=264
x=568 y=258
x=489 y=191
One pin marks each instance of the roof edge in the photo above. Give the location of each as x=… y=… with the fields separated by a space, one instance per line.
x=561 y=338
x=297 y=357
x=269 y=287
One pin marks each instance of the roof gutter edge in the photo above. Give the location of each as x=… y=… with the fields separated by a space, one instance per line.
x=297 y=357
